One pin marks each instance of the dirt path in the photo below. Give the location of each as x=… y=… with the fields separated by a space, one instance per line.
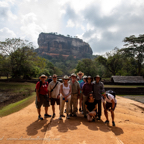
x=23 y=127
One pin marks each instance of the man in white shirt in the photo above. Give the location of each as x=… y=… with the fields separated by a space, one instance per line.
x=109 y=103
x=54 y=92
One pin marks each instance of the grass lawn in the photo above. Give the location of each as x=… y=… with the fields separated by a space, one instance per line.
x=14 y=107
x=131 y=95
x=4 y=77
x=123 y=86
x=16 y=87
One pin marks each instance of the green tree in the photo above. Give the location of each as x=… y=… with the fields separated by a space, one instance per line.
x=134 y=47
x=112 y=61
x=87 y=66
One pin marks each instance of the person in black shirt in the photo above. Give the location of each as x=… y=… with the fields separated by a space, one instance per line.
x=91 y=106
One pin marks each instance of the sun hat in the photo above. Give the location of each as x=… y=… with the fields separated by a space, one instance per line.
x=42 y=76
x=80 y=73
x=97 y=76
x=65 y=77
x=54 y=75
x=73 y=74
x=89 y=77
x=84 y=77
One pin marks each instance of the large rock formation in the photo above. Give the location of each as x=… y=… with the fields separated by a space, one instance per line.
x=55 y=45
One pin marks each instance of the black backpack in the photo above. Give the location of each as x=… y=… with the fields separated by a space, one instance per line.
x=111 y=92
x=41 y=85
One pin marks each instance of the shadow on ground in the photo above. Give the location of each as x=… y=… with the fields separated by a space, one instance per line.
x=33 y=128
x=73 y=123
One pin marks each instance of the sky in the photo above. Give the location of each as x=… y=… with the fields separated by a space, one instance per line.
x=101 y=23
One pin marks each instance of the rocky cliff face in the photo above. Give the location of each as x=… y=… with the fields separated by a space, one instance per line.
x=55 y=45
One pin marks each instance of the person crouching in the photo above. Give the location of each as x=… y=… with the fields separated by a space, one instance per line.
x=91 y=106
x=109 y=105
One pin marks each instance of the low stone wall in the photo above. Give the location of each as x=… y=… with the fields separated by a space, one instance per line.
x=127 y=91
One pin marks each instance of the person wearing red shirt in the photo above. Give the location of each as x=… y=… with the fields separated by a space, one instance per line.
x=41 y=96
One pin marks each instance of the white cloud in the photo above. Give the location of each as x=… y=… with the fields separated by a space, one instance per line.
x=70 y=23
x=6 y=33
x=101 y=23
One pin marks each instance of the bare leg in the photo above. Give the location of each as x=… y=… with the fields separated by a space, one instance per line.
x=39 y=110
x=106 y=114
x=53 y=108
x=46 y=110
x=112 y=115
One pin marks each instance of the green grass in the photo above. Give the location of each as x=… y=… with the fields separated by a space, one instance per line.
x=4 y=77
x=123 y=86
x=16 y=87
x=14 y=107
x=130 y=95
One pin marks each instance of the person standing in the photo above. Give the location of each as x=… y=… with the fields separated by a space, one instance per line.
x=87 y=88
x=49 y=79
x=84 y=81
x=75 y=90
x=41 y=96
x=98 y=88
x=91 y=106
x=110 y=105
x=65 y=96
x=54 y=92
x=80 y=97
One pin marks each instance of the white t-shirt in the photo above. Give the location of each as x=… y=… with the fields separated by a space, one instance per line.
x=109 y=98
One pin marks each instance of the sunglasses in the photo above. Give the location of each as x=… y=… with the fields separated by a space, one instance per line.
x=90 y=95
x=54 y=77
x=43 y=77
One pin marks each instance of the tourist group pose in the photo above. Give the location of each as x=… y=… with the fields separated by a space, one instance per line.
x=91 y=95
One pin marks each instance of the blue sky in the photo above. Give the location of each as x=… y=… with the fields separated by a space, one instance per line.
x=102 y=23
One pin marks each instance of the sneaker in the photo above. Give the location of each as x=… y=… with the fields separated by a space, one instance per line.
x=107 y=121
x=53 y=115
x=75 y=115
x=71 y=115
x=93 y=119
x=47 y=115
x=85 y=116
x=98 y=118
x=113 y=123
x=62 y=115
x=40 y=118
x=60 y=118
x=68 y=117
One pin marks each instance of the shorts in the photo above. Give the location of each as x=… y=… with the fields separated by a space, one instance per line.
x=53 y=100
x=80 y=96
x=43 y=100
x=109 y=105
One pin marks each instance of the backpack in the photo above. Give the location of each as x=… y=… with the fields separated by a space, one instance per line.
x=41 y=85
x=110 y=92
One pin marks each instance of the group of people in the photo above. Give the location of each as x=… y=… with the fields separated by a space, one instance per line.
x=90 y=94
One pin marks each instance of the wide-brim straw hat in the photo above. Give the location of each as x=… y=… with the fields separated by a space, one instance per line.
x=43 y=76
x=73 y=74
x=80 y=73
x=66 y=77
